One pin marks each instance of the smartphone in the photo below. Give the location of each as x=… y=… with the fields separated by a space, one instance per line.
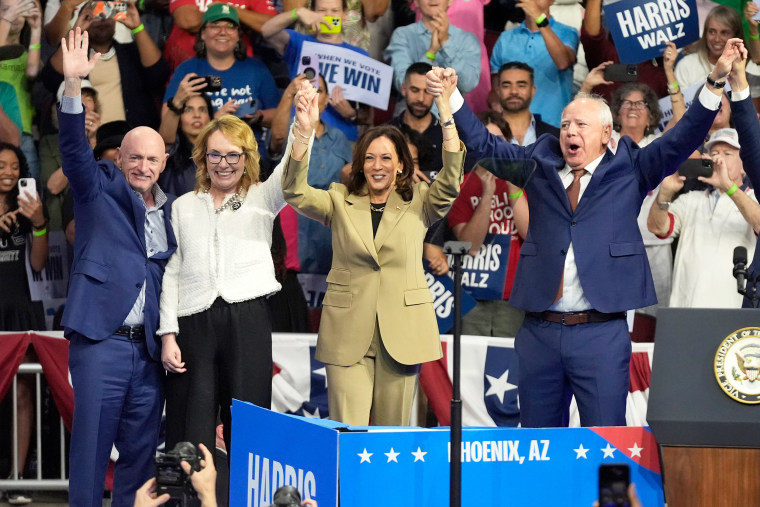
x=109 y=10
x=621 y=72
x=27 y=187
x=696 y=167
x=332 y=24
x=247 y=107
x=213 y=83
x=309 y=66
x=613 y=485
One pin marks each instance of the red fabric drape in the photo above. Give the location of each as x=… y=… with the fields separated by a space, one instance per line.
x=12 y=349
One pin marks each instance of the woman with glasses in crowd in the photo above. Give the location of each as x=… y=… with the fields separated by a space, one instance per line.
x=215 y=324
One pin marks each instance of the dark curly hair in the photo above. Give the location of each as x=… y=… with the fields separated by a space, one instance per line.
x=650 y=98
x=11 y=198
x=357 y=182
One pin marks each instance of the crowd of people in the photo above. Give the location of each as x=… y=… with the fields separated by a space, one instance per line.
x=195 y=173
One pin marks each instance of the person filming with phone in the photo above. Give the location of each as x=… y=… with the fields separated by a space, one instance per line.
x=711 y=223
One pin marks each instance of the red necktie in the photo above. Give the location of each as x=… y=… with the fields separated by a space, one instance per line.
x=573 y=191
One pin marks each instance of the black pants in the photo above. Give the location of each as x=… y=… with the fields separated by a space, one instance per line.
x=227 y=351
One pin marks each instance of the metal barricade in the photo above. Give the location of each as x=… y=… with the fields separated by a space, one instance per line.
x=36 y=483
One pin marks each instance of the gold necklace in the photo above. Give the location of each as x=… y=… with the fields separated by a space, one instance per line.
x=379 y=207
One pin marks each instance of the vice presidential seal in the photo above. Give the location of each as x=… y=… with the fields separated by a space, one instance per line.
x=737 y=365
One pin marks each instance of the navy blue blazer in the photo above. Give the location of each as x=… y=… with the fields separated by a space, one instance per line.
x=110 y=258
x=609 y=252
x=748 y=128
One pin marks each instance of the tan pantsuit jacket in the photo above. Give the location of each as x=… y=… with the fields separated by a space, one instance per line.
x=380 y=276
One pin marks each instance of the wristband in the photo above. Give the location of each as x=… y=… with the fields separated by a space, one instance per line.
x=754 y=37
x=430 y=56
x=43 y=231
x=542 y=21
x=35 y=46
x=732 y=190
x=516 y=195
x=293 y=14
x=448 y=124
x=673 y=85
x=174 y=109
x=138 y=29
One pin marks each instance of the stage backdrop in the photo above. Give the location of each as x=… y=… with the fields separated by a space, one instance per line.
x=489 y=377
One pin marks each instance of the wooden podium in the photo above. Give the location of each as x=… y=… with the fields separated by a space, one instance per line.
x=709 y=442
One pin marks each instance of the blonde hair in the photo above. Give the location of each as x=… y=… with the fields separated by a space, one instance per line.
x=237 y=132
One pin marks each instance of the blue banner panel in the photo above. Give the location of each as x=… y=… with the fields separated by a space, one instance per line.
x=484 y=274
x=272 y=449
x=442 y=289
x=505 y=467
x=640 y=28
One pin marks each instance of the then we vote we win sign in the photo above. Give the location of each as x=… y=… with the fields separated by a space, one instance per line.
x=640 y=28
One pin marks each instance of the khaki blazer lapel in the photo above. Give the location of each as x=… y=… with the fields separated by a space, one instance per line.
x=394 y=210
x=357 y=209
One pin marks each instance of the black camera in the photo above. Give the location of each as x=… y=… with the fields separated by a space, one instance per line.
x=286 y=496
x=170 y=478
x=213 y=83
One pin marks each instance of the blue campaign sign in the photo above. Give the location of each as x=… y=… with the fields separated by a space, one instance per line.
x=382 y=466
x=485 y=273
x=270 y=453
x=442 y=289
x=640 y=28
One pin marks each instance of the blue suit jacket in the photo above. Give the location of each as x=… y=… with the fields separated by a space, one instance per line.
x=745 y=119
x=609 y=252
x=110 y=259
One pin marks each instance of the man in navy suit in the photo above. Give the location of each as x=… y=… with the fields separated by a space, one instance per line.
x=123 y=241
x=583 y=262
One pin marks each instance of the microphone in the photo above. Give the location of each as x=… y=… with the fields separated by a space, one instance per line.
x=740 y=267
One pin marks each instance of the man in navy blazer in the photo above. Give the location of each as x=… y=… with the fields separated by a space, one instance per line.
x=581 y=267
x=123 y=241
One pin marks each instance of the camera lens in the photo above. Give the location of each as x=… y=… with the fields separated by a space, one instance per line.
x=310 y=73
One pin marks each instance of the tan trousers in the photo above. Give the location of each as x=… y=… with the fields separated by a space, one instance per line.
x=377 y=387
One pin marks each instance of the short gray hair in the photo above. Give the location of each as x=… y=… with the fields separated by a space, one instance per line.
x=605 y=115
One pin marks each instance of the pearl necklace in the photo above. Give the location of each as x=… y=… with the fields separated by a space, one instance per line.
x=233 y=203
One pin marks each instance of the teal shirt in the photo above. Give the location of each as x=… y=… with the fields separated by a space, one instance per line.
x=9 y=103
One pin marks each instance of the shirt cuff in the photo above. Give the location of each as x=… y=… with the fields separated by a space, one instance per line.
x=709 y=99
x=737 y=96
x=456 y=101
x=71 y=105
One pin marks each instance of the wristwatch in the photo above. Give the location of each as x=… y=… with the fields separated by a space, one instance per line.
x=665 y=206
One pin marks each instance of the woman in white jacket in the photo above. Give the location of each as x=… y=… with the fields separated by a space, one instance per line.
x=215 y=327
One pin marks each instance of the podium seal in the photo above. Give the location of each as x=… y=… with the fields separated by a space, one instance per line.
x=737 y=365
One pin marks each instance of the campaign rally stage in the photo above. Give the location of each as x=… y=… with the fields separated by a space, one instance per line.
x=382 y=466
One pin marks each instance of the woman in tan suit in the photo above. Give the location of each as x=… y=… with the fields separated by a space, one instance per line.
x=378 y=323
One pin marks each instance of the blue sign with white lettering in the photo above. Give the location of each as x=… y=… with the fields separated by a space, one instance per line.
x=640 y=28
x=484 y=274
x=303 y=453
x=382 y=466
x=442 y=289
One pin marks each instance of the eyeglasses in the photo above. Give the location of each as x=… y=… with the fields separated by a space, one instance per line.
x=639 y=104
x=218 y=27
x=230 y=158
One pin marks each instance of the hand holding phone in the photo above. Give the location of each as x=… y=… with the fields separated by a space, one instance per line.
x=614 y=480
x=27 y=188
x=693 y=168
x=621 y=72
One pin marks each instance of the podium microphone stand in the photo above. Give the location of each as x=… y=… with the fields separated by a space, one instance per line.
x=458 y=249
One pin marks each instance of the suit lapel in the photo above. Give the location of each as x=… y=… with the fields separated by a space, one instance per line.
x=138 y=211
x=593 y=184
x=357 y=209
x=394 y=210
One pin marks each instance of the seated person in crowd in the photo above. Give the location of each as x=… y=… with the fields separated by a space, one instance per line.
x=128 y=77
x=288 y=43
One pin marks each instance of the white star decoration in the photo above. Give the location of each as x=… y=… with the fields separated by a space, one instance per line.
x=609 y=451
x=419 y=455
x=580 y=452
x=635 y=450
x=499 y=385
x=392 y=455
x=365 y=456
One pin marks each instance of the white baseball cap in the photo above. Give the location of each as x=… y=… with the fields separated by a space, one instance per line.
x=85 y=85
x=728 y=136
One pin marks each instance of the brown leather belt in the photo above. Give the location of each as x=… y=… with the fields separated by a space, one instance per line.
x=574 y=318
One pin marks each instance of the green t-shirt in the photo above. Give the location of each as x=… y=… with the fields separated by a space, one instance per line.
x=13 y=72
